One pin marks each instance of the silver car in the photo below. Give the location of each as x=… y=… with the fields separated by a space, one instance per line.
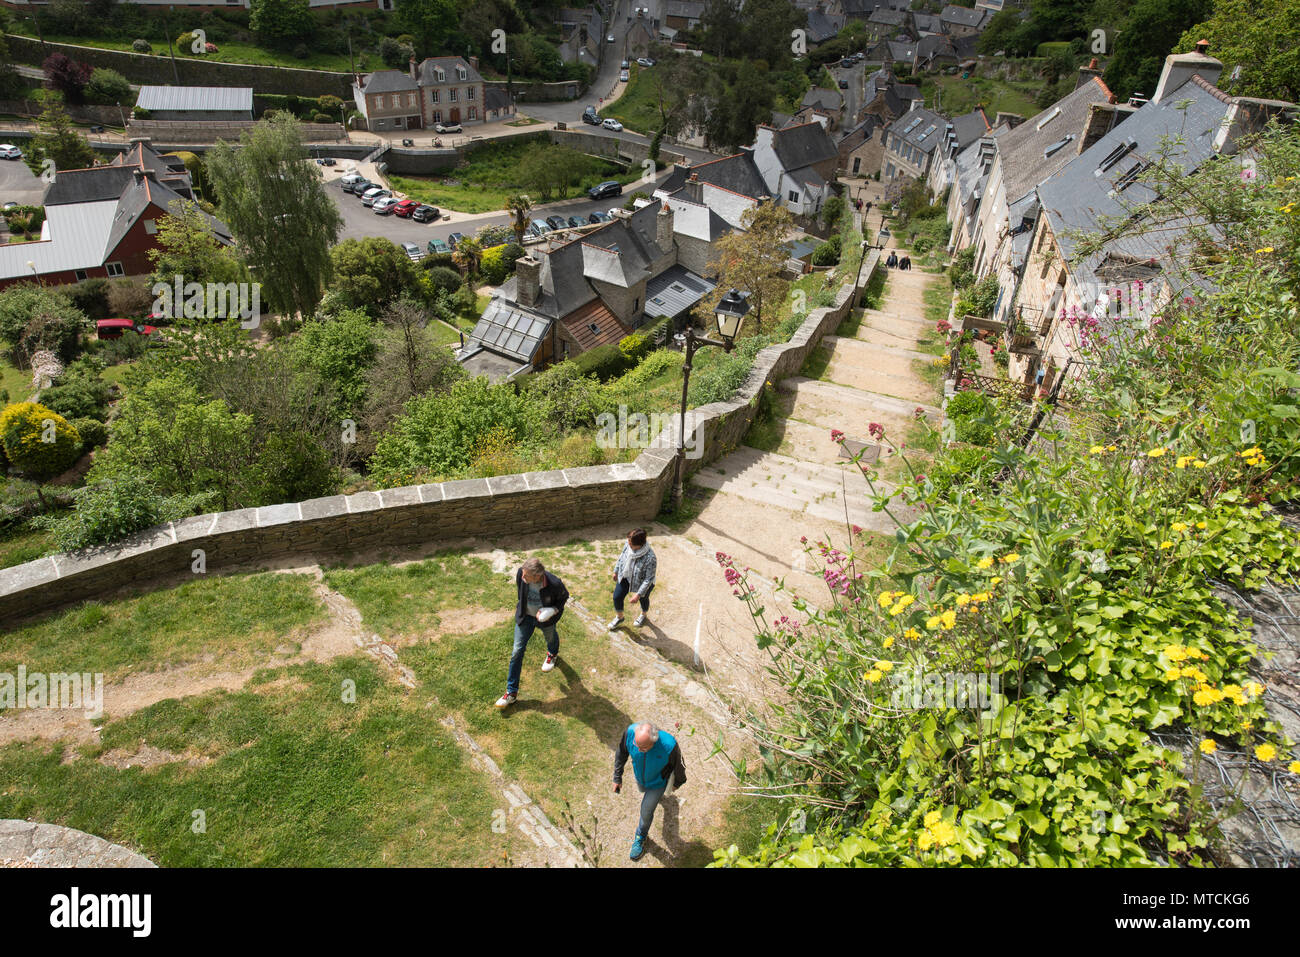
x=10 y=152
x=374 y=193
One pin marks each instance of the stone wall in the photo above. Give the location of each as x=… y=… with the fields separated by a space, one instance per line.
x=145 y=68
x=84 y=113
x=330 y=528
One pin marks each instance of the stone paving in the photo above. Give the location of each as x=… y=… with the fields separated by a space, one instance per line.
x=30 y=844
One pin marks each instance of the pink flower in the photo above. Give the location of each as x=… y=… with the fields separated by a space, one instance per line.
x=837 y=436
x=919 y=412
x=876 y=430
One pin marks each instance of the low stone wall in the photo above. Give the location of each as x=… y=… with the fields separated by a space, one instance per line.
x=85 y=113
x=332 y=527
x=538 y=92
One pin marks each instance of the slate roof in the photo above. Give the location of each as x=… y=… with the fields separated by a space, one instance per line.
x=891 y=18
x=687 y=9
x=95 y=185
x=388 y=81
x=803 y=145
x=963 y=16
x=692 y=217
x=495 y=98
x=969 y=127
x=674 y=291
x=232 y=99
x=820 y=27
x=736 y=173
x=927 y=23
x=921 y=128
x=1021 y=149
x=822 y=98
x=427 y=77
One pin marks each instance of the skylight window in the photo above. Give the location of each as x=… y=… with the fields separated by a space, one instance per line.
x=1115 y=155
x=1057 y=146
x=1127 y=180
x=1056 y=111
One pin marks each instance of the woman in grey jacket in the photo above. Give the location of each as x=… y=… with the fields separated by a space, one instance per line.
x=634 y=572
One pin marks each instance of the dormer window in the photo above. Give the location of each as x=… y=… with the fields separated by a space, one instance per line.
x=461 y=72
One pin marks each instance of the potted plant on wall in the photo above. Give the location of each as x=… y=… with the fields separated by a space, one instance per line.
x=1022 y=334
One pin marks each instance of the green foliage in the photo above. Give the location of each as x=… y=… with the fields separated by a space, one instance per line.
x=38 y=442
x=634 y=347
x=494 y=265
x=961 y=273
x=80 y=393
x=978 y=300
x=827 y=253
x=110 y=511
x=566 y=398
x=281 y=23
x=33 y=318
x=1260 y=37
x=58 y=140
x=109 y=87
x=371 y=273
x=340 y=351
x=605 y=362
x=93 y=432
x=444 y=278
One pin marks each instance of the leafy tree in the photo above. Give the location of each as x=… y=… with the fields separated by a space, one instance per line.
x=33 y=318
x=58 y=140
x=341 y=351
x=466 y=255
x=281 y=23
x=751 y=261
x=67 y=75
x=519 y=206
x=428 y=21
x=1145 y=41
x=1263 y=38
x=275 y=203
x=109 y=87
x=188 y=248
x=112 y=510
x=371 y=273
x=38 y=442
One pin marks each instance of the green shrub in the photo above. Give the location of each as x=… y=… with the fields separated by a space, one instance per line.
x=448 y=280
x=25 y=432
x=979 y=299
x=93 y=432
x=827 y=254
x=91 y=297
x=567 y=398
x=108 y=512
x=79 y=394
x=962 y=271
x=142 y=46
x=634 y=347
x=604 y=362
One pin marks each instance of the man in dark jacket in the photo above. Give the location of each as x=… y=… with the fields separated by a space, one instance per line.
x=656 y=761
x=541 y=602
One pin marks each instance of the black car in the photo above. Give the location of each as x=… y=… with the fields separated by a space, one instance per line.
x=426 y=214
x=359 y=188
x=607 y=188
x=844 y=84
x=325 y=161
x=589 y=116
x=556 y=222
x=576 y=221
x=595 y=218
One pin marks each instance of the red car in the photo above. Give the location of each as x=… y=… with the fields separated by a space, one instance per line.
x=405 y=208
x=113 y=328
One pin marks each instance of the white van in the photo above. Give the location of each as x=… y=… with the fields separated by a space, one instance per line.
x=349 y=178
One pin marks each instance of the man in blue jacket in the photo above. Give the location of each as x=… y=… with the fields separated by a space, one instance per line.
x=656 y=760
x=540 y=604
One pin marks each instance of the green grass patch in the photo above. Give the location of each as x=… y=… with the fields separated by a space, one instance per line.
x=238 y=619
x=229 y=51
x=444 y=334
x=638 y=107
x=23 y=544
x=818 y=361
x=960 y=96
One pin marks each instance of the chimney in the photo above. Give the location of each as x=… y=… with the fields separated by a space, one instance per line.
x=1011 y=119
x=473 y=62
x=1100 y=120
x=528 y=280
x=664 y=227
x=415 y=70
x=1180 y=67
x=1086 y=73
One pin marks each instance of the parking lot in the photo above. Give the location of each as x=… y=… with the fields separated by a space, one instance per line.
x=18 y=184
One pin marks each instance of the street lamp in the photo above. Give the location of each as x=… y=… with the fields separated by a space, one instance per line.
x=729 y=314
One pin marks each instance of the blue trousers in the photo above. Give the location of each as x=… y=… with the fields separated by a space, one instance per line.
x=650 y=799
x=523 y=631
x=620 y=592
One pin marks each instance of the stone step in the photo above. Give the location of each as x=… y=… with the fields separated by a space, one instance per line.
x=851 y=345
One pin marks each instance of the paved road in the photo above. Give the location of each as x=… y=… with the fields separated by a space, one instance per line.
x=18 y=184
x=854 y=97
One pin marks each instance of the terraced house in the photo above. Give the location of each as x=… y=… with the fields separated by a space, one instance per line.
x=446 y=89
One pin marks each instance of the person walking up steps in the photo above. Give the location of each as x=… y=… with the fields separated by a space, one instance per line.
x=634 y=572
x=541 y=603
x=656 y=763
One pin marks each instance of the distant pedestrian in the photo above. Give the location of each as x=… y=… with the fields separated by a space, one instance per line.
x=905 y=263
x=656 y=764
x=540 y=603
x=634 y=573
x=892 y=261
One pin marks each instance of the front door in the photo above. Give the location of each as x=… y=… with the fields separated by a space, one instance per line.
x=455 y=114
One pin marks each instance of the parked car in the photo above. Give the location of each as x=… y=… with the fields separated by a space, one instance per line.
x=589 y=116
x=374 y=194
x=454 y=239
x=426 y=214
x=576 y=222
x=10 y=152
x=405 y=208
x=324 y=161
x=537 y=228
x=608 y=188
x=557 y=222
x=413 y=251
x=438 y=247
x=644 y=61
x=623 y=76
x=612 y=124
x=844 y=84
x=385 y=205
x=610 y=38
x=113 y=328
x=447 y=128
x=8 y=206
x=623 y=65
x=595 y=218
x=357 y=186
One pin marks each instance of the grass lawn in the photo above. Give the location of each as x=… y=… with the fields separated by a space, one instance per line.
x=17 y=382
x=489 y=177
x=23 y=544
x=444 y=335
x=960 y=96
x=638 y=108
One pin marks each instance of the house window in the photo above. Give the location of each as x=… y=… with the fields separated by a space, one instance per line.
x=794 y=197
x=469 y=92
x=473 y=112
x=437 y=116
x=433 y=94
x=451 y=94
x=114 y=270
x=410 y=99
x=81 y=275
x=857 y=163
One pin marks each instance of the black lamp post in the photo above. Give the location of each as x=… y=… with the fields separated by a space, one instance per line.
x=729 y=315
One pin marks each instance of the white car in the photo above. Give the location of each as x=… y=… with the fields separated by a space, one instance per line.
x=645 y=61
x=610 y=38
x=612 y=124
x=374 y=195
x=623 y=76
x=447 y=128
x=10 y=152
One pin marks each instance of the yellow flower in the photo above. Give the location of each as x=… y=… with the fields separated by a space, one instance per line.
x=983 y=563
x=963 y=600
x=900 y=606
x=1235 y=693
x=1208 y=746
x=1111 y=448
x=1158 y=451
x=1251 y=452
x=1294 y=767
x=1173 y=674
x=1166 y=545
x=887 y=598
x=1203 y=698
x=1175 y=653
x=948 y=619
x=997 y=580
x=1264 y=249
x=944 y=834
x=932 y=622
x=980 y=596
x=1200 y=525
x=885 y=666
x=1010 y=559
x=925 y=841
x=1179 y=526
x=1196 y=674
x=1254 y=689
x=1247 y=725
x=1266 y=752
x=1097 y=450
x=1184 y=461
x=871 y=676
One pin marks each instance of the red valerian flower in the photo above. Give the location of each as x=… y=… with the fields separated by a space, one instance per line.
x=876 y=430
x=837 y=436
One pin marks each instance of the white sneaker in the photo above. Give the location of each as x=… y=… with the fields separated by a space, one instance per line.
x=640 y=620
x=613 y=625
x=549 y=663
x=506 y=700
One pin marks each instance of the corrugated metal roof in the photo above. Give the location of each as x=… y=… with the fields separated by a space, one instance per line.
x=73 y=237
x=235 y=99
x=674 y=291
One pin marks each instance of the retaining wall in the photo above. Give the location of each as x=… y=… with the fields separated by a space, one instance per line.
x=331 y=528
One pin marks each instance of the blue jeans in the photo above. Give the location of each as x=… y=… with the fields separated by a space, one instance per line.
x=620 y=592
x=523 y=631
x=650 y=799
